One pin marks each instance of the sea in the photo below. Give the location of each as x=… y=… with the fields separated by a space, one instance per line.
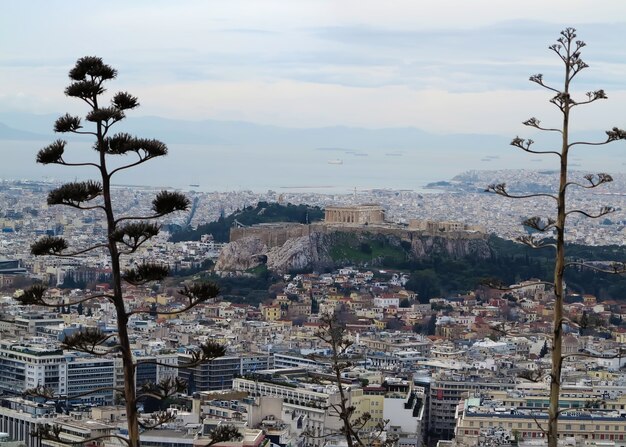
x=260 y=168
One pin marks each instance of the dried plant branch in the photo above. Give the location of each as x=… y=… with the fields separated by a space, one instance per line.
x=223 y=433
x=197 y=294
x=534 y=376
x=539 y=224
x=594 y=180
x=534 y=122
x=145 y=273
x=164 y=203
x=614 y=134
x=526 y=144
x=532 y=242
x=56 y=245
x=499 y=285
x=614 y=267
x=164 y=389
x=157 y=419
x=500 y=189
x=539 y=425
x=603 y=212
x=89 y=340
x=47 y=393
x=591 y=97
x=206 y=352
x=538 y=79
x=620 y=353
x=134 y=235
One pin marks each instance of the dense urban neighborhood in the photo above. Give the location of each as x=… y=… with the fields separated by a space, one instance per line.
x=460 y=368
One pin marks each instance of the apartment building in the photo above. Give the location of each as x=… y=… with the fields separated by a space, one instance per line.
x=28 y=365
x=79 y=377
x=306 y=406
x=218 y=374
x=478 y=417
x=446 y=391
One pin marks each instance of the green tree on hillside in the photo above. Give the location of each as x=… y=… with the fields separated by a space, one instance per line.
x=263 y=212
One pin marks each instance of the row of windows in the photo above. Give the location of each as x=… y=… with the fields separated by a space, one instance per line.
x=580 y=427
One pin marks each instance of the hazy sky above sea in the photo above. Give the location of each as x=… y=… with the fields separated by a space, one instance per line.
x=445 y=66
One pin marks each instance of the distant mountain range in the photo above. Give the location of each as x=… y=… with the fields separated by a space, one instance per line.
x=23 y=126
x=230 y=154
x=10 y=133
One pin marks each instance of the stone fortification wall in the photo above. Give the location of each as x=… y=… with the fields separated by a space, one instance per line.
x=285 y=247
x=275 y=235
x=272 y=235
x=405 y=233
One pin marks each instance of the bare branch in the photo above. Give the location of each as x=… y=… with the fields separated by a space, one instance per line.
x=55 y=245
x=47 y=393
x=591 y=97
x=88 y=340
x=534 y=122
x=603 y=212
x=157 y=419
x=594 y=180
x=223 y=433
x=538 y=224
x=621 y=353
x=616 y=268
x=614 y=134
x=206 y=352
x=133 y=235
x=526 y=144
x=498 y=285
x=562 y=100
x=164 y=389
x=539 y=425
x=145 y=273
x=534 y=243
x=538 y=79
x=35 y=294
x=531 y=375
x=500 y=189
x=75 y=193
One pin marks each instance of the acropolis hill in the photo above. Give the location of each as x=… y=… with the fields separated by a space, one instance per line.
x=288 y=246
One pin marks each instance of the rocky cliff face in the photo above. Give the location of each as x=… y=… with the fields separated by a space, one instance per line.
x=305 y=252
x=424 y=246
x=320 y=249
x=243 y=254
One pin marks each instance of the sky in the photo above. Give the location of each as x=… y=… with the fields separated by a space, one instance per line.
x=445 y=66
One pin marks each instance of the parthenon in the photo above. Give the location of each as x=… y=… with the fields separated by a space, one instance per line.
x=360 y=214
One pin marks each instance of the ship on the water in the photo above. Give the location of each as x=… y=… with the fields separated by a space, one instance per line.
x=336 y=161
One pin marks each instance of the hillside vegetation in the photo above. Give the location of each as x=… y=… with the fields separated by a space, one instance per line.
x=263 y=212
x=431 y=276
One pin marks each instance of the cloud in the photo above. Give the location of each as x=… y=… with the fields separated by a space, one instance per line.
x=306 y=104
x=454 y=65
